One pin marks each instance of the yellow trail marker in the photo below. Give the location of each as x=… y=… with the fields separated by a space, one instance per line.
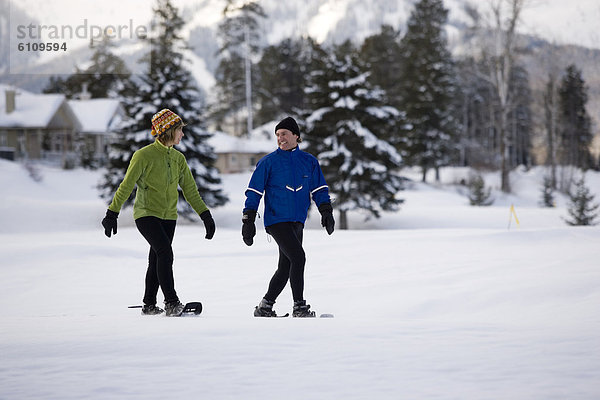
x=510 y=216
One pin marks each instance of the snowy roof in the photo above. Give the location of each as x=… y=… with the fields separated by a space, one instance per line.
x=225 y=143
x=96 y=115
x=31 y=110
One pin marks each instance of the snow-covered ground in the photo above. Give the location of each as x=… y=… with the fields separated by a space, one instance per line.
x=438 y=301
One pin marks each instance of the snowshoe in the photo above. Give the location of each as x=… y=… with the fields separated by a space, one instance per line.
x=151 y=309
x=174 y=309
x=265 y=309
x=302 y=310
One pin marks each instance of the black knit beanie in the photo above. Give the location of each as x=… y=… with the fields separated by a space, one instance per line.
x=290 y=124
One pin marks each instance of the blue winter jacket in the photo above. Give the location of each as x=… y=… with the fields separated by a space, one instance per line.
x=287 y=179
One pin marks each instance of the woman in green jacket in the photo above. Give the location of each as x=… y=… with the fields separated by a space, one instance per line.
x=157 y=170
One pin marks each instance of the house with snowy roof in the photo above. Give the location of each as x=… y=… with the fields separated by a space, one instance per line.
x=238 y=154
x=99 y=120
x=50 y=128
x=36 y=126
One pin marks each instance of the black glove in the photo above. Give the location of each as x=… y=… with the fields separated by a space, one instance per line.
x=327 y=217
x=109 y=222
x=248 y=227
x=209 y=224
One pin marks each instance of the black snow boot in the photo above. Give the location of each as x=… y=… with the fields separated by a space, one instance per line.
x=265 y=309
x=302 y=310
x=174 y=309
x=151 y=309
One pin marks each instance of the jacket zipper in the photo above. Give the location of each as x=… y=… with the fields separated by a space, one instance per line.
x=168 y=178
x=293 y=165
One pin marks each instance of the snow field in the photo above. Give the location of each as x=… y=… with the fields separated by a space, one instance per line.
x=468 y=309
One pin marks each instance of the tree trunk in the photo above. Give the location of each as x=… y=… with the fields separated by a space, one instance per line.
x=505 y=165
x=501 y=62
x=343 y=222
x=551 y=112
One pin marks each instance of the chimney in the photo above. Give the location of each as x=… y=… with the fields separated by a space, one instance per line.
x=85 y=95
x=10 y=100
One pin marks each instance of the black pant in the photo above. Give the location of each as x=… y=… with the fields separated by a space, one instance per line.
x=159 y=234
x=292 y=259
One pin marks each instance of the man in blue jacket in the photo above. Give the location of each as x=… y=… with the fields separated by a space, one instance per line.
x=288 y=178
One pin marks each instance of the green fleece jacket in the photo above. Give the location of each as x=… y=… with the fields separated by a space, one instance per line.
x=157 y=170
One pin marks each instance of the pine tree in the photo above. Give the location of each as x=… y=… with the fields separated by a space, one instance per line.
x=575 y=124
x=283 y=72
x=581 y=208
x=381 y=55
x=167 y=84
x=547 y=193
x=346 y=131
x=479 y=195
x=428 y=85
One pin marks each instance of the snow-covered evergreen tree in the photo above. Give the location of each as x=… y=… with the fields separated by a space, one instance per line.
x=479 y=195
x=547 y=193
x=428 y=86
x=167 y=84
x=346 y=130
x=581 y=208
